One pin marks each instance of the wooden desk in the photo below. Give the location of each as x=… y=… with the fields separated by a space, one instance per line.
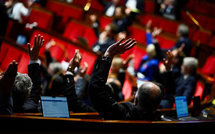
x=35 y=124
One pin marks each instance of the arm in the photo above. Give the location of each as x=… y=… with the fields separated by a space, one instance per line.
x=6 y=83
x=100 y=98
x=74 y=103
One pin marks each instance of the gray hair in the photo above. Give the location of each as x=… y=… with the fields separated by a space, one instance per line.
x=183 y=30
x=22 y=87
x=149 y=96
x=55 y=67
x=192 y=63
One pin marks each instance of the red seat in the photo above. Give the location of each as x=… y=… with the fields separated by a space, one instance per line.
x=139 y=53
x=204 y=8
x=90 y=59
x=23 y=63
x=210 y=24
x=149 y=6
x=90 y=36
x=54 y=6
x=73 y=30
x=96 y=6
x=212 y=42
x=81 y=3
x=168 y=25
x=104 y=20
x=3 y=52
x=42 y=17
x=201 y=36
x=198 y=91
x=12 y=54
x=209 y=66
x=138 y=34
x=165 y=43
x=146 y=18
x=127 y=88
x=58 y=51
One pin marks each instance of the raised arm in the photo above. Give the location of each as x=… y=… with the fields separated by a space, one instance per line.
x=100 y=98
x=74 y=103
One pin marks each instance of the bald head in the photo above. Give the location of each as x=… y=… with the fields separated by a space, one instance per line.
x=149 y=96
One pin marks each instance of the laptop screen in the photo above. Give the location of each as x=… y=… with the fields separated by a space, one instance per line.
x=181 y=106
x=55 y=107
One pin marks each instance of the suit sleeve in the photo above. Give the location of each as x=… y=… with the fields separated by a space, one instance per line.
x=100 y=98
x=74 y=103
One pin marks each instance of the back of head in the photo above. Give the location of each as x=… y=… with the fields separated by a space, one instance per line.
x=183 y=30
x=54 y=67
x=149 y=96
x=113 y=28
x=150 y=49
x=21 y=89
x=191 y=63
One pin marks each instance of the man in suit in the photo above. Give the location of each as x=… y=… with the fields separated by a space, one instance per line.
x=183 y=85
x=147 y=98
x=23 y=91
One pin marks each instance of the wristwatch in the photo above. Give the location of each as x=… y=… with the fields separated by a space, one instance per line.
x=107 y=58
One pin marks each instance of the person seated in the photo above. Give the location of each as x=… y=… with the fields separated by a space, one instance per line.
x=16 y=10
x=184 y=85
x=106 y=38
x=24 y=94
x=147 y=97
x=148 y=69
x=109 y=6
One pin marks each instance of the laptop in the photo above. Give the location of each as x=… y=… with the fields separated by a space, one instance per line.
x=182 y=109
x=55 y=107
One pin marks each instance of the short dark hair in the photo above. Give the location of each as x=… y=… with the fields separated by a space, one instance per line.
x=114 y=28
x=149 y=99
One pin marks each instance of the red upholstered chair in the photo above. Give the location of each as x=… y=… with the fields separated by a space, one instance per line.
x=90 y=59
x=90 y=36
x=127 y=88
x=204 y=8
x=71 y=12
x=80 y=2
x=96 y=6
x=146 y=18
x=210 y=24
x=168 y=25
x=58 y=51
x=149 y=6
x=138 y=34
x=23 y=63
x=104 y=20
x=12 y=54
x=139 y=53
x=201 y=36
x=209 y=66
x=3 y=52
x=212 y=42
x=165 y=43
x=54 y=6
x=43 y=18
x=73 y=30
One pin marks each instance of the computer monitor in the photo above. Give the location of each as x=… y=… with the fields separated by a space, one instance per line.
x=55 y=107
x=181 y=106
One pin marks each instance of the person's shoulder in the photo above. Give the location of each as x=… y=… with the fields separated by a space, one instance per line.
x=154 y=62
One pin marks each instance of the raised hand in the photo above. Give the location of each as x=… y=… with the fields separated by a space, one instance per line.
x=156 y=31
x=127 y=60
x=84 y=70
x=7 y=79
x=119 y=47
x=34 y=51
x=75 y=61
x=167 y=63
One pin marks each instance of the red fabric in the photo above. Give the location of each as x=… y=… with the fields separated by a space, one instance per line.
x=154 y=19
x=168 y=25
x=43 y=19
x=201 y=36
x=198 y=91
x=89 y=34
x=138 y=34
x=165 y=43
x=3 y=52
x=104 y=20
x=212 y=41
x=23 y=63
x=54 y=7
x=149 y=6
x=127 y=89
x=138 y=54
x=209 y=66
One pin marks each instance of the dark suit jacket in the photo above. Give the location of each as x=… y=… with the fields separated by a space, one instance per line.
x=105 y=104
x=74 y=103
x=32 y=104
x=188 y=45
x=106 y=4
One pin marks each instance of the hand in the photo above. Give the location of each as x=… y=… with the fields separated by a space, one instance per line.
x=7 y=80
x=156 y=31
x=148 y=25
x=127 y=60
x=84 y=70
x=75 y=61
x=30 y=3
x=167 y=63
x=93 y=17
x=34 y=51
x=50 y=44
x=119 y=48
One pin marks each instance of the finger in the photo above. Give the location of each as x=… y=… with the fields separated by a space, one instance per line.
x=35 y=40
x=28 y=48
x=131 y=46
x=120 y=41
x=124 y=43
x=129 y=43
x=38 y=38
x=42 y=43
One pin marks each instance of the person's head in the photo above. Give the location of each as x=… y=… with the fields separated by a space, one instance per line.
x=116 y=65
x=189 y=65
x=119 y=12
x=183 y=31
x=21 y=89
x=169 y=2
x=115 y=2
x=111 y=29
x=54 y=67
x=150 y=50
x=148 y=97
